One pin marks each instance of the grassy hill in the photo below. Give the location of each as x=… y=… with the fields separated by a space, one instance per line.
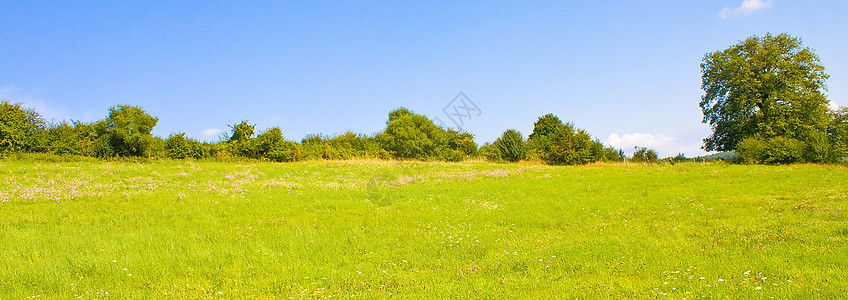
x=411 y=229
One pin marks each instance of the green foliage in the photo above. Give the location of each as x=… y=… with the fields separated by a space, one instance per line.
x=680 y=157
x=459 y=145
x=284 y=151
x=562 y=144
x=510 y=146
x=409 y=135
x=777 y=150
x=770 y=87
x=129 y=130
x=783 y=150
x=644 y=155
x=612 y=154
x=818 y=147
x=242 y=132
x=64 y=138
x=397 y=113
x=571 y=146
x=316 y=147
x=352 y=145
x=102 y=147
x=539 y=140
x=838 y=133
x=489 y=152
x=545 y=126
x=349 y=145
x=21 y=129
x=179 y=147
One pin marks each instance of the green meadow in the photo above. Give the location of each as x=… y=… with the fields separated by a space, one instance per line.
x=376 y=229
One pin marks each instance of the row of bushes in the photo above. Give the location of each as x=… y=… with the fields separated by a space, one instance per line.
x=126 y=132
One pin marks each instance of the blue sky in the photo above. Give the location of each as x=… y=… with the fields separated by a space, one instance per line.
x=625 y=71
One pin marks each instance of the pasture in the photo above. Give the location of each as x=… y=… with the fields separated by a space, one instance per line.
x=374 y=229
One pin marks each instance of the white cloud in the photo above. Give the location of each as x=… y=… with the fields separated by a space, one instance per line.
x=833 y=105
x=630 y=140
x=211 y=132
x=747 y=8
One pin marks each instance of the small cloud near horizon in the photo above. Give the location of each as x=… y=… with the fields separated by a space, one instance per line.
x=50 y=113
x=211 y=132
x=747 y=8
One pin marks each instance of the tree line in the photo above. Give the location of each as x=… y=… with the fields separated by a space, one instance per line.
x=764 y=100
x=126 y=132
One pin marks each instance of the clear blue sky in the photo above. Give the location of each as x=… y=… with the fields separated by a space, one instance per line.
x=625 y=71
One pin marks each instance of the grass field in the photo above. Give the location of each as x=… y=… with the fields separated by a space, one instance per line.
x=407 y=229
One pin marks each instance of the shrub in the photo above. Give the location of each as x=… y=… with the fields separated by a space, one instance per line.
x=409 y=135
x=129 y=130
x=242 y=132
x=62 y=138
x=539 y=140
x=644 y=155
x=179 y=147
x=838 y=133
x=489 y=152
x=283 y=151
x=819 y=148
x=570 y=146
x=21 y=129
x=510 y=146
x=612 y=154
x=782 y=150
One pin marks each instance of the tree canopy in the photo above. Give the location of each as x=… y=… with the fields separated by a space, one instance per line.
x=129 y=130
x=766 y=87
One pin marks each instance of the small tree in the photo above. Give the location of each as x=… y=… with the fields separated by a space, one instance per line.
x=612 y=154
x=459 y=145
x=539 y=140
x=129 y=130
x=645 y=155
x=409 y=135
x=571 y=146
x=21 y=129
x=510 y=146
x=242 y=132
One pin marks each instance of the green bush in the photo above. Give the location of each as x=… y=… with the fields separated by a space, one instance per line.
x=62 y=138
x=782 y=150
x=645 y=155
x=510 y=146
x=21 y=129
x=129 y=130
x=838 y=133
x=461 y=142
x=570 y=146
x=283 y=151
x=612 y=154
x=179 y=147
x=819 y=148
x=409 y=135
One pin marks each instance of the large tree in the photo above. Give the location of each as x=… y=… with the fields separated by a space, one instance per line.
x=764 y=87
